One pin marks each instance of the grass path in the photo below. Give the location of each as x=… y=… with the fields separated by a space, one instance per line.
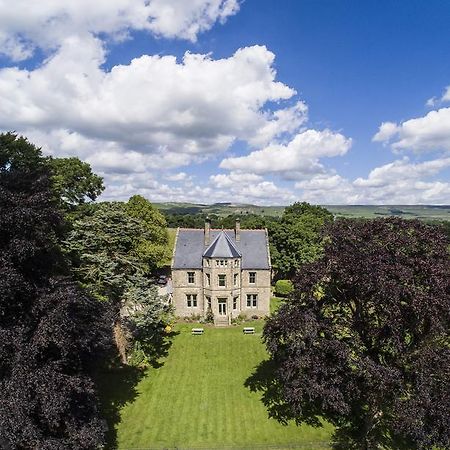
x=198 y=398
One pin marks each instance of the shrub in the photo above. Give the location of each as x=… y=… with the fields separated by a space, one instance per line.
x=283 y=288
x=238 y=320
x=209 y=317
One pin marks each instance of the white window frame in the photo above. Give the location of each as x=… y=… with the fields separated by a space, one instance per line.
x=208 y=279
x=250 y=276
x=191 y=300
x=252 y=301
x=191 y=276
x=235 y=303
x=236 y=279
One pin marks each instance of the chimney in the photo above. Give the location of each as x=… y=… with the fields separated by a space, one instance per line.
x=238 y=230
x=207 y=230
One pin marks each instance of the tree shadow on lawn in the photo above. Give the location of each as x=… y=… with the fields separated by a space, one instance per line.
x=265 y=381
x=116 y=385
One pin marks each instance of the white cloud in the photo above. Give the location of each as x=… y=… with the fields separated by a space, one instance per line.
x=234 y=179
x=287 y=120
x=46 y=23
x=428 y=133
x=386 y=131
x=434 y=101
x=328 y=189
x=446 y=95
x=248 y=188
x=121 y=186
x=186 y=19
x=178 y=111
x=297 y=158
x=397 y=183
x=180 y=176
x=402 y=170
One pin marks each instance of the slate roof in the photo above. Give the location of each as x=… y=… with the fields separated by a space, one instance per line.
x=189 y=248
x=222 y=247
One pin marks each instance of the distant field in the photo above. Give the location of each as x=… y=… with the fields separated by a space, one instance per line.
x=197 y=399
x=220 y=209
x=423 y=212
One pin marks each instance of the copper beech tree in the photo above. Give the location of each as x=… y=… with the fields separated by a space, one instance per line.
x=51 y=333
x=364 y=340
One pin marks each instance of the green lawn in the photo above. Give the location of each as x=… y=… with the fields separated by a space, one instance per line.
x=197 y=398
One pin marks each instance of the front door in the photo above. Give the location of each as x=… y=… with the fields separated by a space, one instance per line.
x=222 y=306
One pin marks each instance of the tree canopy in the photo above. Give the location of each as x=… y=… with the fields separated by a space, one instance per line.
x=113 y=251
x=153 y=245
x=297 y=238
x=364 y=342
x=50 y=331
x=103 y=250
x=74 y=182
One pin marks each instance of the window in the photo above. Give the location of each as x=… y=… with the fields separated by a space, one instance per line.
x=235 y=279
x=252 y=277
x=207 y=262
x=222 y=280
x=236 y=263
x=191 y=277
x=208 y=301
x=208 y=279
x=222 y=263
x=252 y=300
x=191 y=300
x=235 y=302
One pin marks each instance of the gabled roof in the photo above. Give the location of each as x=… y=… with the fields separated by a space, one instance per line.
x=222 y=247
x=190 y=247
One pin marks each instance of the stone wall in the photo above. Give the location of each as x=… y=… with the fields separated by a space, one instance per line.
x=261 y=287
x=181 y=287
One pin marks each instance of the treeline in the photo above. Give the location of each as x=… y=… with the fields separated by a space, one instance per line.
x=75 y=295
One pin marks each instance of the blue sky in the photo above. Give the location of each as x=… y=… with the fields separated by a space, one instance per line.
x=333 y=102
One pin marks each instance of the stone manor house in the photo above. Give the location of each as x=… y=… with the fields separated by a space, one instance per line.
x=228 y=271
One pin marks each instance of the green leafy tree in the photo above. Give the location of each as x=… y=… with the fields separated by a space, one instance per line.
x=74 y=182
x=145 y=316
x=153 y=246
x=103 y=249
x=364 y=341
x=284 y=287
x=297 y=238
x=106 y=250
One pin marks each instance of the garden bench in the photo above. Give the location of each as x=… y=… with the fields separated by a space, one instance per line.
x=249 y=330
x=197 y=330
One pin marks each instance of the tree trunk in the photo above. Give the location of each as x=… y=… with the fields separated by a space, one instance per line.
x=121 y=342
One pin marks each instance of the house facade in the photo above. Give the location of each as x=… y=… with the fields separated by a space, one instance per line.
x=226 y=271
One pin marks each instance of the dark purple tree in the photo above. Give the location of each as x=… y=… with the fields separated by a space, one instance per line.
x=364 y=341
x=50 y=330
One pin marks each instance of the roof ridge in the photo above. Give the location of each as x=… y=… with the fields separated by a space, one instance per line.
x=231 y=252
x=231 y=243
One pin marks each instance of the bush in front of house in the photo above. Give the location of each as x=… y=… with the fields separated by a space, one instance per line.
x=283 y=288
